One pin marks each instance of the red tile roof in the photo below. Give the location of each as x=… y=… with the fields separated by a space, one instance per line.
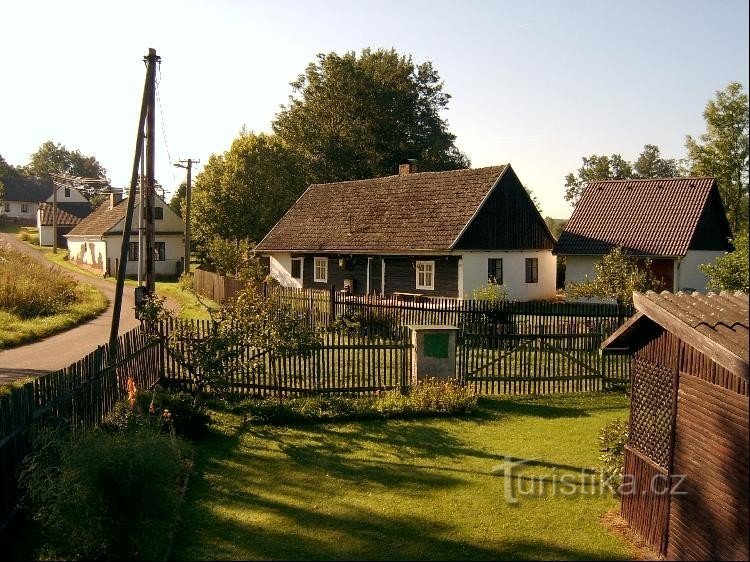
x=650 y=217
x=411 y=212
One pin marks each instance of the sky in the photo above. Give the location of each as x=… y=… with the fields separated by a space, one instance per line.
x=538 y=84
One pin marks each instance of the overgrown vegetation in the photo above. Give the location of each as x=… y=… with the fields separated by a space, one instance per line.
x=618 y=275
x=731 y=271
x=37 y=301
x=491 y=292
x=426 y=398
x=612 y=440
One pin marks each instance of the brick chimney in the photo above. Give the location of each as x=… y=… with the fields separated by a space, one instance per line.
x=407 y=167
x=114 y=199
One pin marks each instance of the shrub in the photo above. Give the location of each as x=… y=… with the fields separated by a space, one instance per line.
x=370 y=322
x=427 y=398
x=103 y=495
x=612 y=440
x=492 y=292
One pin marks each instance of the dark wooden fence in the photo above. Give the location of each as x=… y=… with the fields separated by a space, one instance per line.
x=218 y=288
x=81 y=395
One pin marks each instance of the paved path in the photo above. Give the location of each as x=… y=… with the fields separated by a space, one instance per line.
x=58 y=351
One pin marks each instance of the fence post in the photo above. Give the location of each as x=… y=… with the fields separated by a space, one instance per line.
x=332 y=301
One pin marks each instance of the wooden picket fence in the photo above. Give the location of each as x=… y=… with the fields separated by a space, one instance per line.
x=80 y=395
x=218 y=288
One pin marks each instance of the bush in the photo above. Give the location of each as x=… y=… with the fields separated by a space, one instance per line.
x=370 y=322
x=612 y=440
x=104 y=495
x=427 y=398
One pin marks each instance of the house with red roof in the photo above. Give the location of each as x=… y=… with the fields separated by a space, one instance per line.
x=416 y=234
x=677 y=223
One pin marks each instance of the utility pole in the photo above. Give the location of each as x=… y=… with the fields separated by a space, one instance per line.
x=188 y=165
x=149 y=199
x=146 y=104
x=140 y=224
x=54 y=218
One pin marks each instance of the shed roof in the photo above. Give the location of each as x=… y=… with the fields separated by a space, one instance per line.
x=68 y=214
x=716 y=324
x=650 y=217
x=20 y=188
x=409 y=212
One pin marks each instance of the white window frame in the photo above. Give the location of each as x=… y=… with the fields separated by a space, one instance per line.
x=428 y=266
x=322 y=263
x=25 y=208
x=301 y=269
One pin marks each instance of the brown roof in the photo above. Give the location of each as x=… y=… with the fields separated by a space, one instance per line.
x=101 y=220
x=650 y=217
x=410 y=212
x=717 y=322
x=68 y=214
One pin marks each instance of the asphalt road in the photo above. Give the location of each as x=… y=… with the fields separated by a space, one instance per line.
x=59 y=351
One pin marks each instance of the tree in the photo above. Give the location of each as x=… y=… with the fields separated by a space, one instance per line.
x=618 y=275
x=354 y=117
x=6 y=169
x=722 y=151
x=241 y=194
x=178 y=199
x=55 y=158
x=594 y=168
x=730 y=272
x=556 y=226
x=650 y=164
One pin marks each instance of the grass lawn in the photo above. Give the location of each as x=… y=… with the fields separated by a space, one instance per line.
x=418 y=489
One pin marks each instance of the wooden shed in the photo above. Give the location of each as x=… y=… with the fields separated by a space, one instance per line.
x=686 y=463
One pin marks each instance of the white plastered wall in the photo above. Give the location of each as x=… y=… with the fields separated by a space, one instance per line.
x=473 y=273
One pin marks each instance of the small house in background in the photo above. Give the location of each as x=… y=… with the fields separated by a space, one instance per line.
x=679 y=223
x=24 y=196
x=686 y=461
x=72 y=208
x=441 y=234
x=96 y=241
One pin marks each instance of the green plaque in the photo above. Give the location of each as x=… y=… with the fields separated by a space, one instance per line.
x=436 y=345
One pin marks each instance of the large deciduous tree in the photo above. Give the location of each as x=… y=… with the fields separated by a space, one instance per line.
x=722 y=151
x=354 y=117
x=594 y=168
x=56 y=158
x=650 y=164
x=241 y=194
x=730 y=272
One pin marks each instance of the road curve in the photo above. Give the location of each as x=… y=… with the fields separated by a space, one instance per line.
x=60 y=350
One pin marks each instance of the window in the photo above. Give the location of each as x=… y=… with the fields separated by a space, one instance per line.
x=160 y=251
x=7 y=207
x=297 y=269
x=158 y=213
x=24 y=207
x=426 y=275
x=532 y=270
x=495 y=270
x=133 y=251
x=67 y=192
x=321 y=270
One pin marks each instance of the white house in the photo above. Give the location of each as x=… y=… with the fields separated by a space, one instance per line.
x=72 y=207
x=441 y=234
x=22 y=196
x=96 y=241
x=677 y=223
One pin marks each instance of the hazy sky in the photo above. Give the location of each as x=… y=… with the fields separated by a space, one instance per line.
x=537 y=84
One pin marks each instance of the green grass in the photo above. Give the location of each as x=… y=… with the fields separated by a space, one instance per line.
x=420 y=489
x=15 y=331
x=190 y=308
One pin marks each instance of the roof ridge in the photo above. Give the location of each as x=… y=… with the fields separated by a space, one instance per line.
x=412 y=174
x=671 y=178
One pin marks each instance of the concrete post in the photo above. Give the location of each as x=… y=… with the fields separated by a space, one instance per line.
x=434 y=352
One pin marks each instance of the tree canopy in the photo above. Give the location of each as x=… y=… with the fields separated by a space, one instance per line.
x=56 y=158
x=178 y=199
x=354 y=117
x=241 y=194
x=650 y=164
x=594 y=168
x=722 y=151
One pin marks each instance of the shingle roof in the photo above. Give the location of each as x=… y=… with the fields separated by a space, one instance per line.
x=101 y=220
x=19 y=188
x=651 y=217
x=720 y=319
x=68 y=214
x=416 y=211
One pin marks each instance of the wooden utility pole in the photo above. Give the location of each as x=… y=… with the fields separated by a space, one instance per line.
x=146 y=104
x=188 y=165
x=150 y=190
x=54 y=218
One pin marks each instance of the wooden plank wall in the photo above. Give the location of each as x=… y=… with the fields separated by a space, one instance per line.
x=218 y=288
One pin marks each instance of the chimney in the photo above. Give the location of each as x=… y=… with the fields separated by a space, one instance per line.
x=407 y=167
x=114 y=199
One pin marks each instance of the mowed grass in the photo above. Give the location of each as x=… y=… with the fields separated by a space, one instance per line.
x=392 y=490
